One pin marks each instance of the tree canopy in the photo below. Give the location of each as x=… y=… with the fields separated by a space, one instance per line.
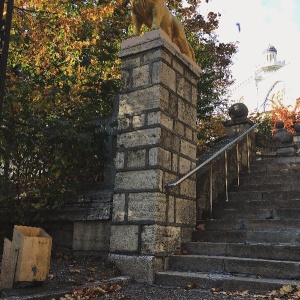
x=63 y=75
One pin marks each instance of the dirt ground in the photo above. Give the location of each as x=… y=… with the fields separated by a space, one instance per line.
x=92 y=277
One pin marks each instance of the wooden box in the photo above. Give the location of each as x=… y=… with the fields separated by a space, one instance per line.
x=34 y=246
x=8 y=266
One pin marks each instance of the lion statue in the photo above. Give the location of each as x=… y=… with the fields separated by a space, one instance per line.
x=155 y=15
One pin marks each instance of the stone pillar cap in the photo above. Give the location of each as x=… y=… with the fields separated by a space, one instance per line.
x=155 y=39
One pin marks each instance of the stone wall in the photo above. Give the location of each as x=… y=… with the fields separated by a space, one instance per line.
x=156 y=144
x=83 y=224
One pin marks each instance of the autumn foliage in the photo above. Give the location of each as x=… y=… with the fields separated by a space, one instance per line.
x=288 y=114
x=63 y=77
x=209 y=132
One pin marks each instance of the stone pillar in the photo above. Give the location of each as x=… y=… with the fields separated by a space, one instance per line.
x=156 y=144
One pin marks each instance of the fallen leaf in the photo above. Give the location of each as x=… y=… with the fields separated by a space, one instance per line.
x=192 y=286
x=90 y=279
x=74 y=270
x=114 y=288
x=51 y=276
x=297 y=294
x=79 y=291
x=244 y=293
x=273 y=293
x=286 y=289
x=201 y=227
x=90 y=291
x=74 y=281
x=100 y=290
x=223 y=293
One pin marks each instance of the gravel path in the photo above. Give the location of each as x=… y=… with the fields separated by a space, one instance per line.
x=154 y=292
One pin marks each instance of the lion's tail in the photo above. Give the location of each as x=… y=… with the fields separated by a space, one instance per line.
x=192 y=51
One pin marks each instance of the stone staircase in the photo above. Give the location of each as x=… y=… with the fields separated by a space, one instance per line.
x=253 y=241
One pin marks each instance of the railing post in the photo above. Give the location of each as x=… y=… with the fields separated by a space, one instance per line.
x=248 y=153
x=226 y=175
x=238 y=163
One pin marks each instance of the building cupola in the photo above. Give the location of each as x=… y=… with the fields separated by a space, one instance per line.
x=270 y=56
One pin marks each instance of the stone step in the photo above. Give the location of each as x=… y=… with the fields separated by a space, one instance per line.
x=250 y=178
x=284 y=173
x=291 y=237
x=260 y=251
x=228 y=236
x=236 y=266
x=275 y=164
x=257 y=204
x=273 y=168
x=265 y=195
x=262 y=214
x=221 y=282
x=267 y=186
x=251 y=224
x=279 y=171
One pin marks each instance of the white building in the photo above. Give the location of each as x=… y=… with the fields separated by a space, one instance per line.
x=271 y=76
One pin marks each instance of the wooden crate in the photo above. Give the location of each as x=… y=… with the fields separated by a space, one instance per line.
x=34 y=246
x=9 y=260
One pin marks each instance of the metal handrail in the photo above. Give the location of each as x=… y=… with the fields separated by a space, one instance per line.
x=209 y=160
x=197 y=168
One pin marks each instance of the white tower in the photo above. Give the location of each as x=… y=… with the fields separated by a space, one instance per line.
x=271 y=77
x=269 y=64
x=270 y=56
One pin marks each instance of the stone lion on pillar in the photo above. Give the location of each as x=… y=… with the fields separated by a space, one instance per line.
x=155 y=15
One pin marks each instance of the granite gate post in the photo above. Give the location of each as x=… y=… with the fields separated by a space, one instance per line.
x=156 y=144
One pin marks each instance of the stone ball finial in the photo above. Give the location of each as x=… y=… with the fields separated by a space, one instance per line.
x=297 y=127
x=238 y=110
x=281 y=135
x=279 y=125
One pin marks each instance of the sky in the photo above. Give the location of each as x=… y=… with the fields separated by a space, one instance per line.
x=262 y=22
